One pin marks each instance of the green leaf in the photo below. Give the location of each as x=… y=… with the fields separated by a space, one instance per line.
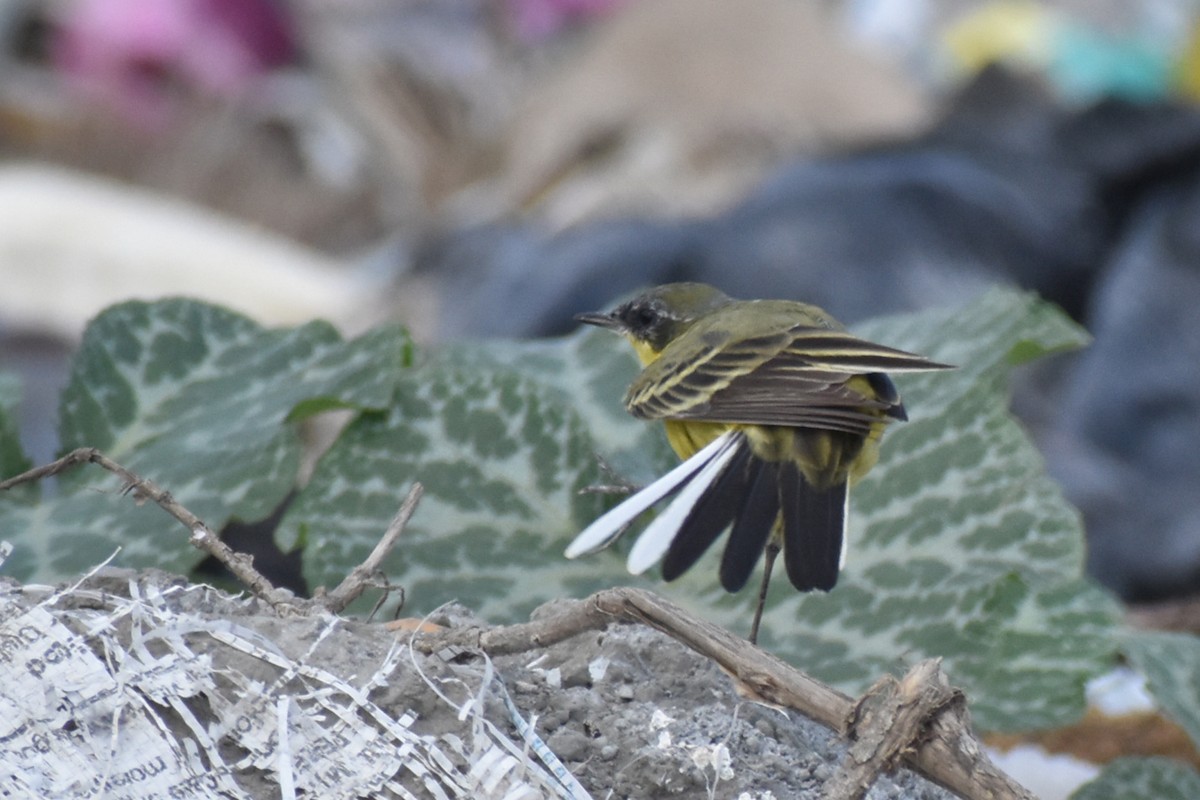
x=1127 y=778
x=503 y=461
x=1170 y=663
x=961 y=546
x=197 y=399
x=13 y=460
x=589 y=372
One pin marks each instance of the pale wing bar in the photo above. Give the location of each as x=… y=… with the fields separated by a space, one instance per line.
x=834 y=350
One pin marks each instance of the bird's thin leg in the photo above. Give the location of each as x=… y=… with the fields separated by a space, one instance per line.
x=772 y=550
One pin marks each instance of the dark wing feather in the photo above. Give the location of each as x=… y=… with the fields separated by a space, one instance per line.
x=694 y=368
x=796 y=377
x=838 y=350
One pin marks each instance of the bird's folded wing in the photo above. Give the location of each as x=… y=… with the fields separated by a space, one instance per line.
x=797 y=378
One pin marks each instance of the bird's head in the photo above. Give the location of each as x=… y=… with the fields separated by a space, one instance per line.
x=656 y=318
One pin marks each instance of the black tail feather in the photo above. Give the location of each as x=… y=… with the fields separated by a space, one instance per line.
x=711 y=514
x=753 y=494
x=752 y=527
x=814 y=525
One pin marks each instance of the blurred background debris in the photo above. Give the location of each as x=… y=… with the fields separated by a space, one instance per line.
x=490 y=167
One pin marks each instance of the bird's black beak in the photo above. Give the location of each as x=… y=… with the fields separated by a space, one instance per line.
x=600 y=320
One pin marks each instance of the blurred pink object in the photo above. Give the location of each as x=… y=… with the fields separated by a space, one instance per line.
x=535 y=20
x=136 y=54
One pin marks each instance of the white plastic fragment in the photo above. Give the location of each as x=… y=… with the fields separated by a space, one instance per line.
x=598 y=667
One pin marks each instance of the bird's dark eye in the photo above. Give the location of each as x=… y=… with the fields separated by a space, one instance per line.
x=638 y=318
x=643 y=318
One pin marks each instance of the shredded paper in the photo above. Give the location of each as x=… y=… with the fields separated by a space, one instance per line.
x=114 y=697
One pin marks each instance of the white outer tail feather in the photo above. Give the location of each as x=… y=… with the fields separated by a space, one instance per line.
x=653 y=543
x=608 y=526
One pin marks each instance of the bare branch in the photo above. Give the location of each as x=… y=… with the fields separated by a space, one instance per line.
x=201 y=537
x=887 y=722
x=943 y=749
x=240 y=564
x=362 y=576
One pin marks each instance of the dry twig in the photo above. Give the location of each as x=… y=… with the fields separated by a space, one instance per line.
x=240 y=564
x=362 y=576
x=943 y=748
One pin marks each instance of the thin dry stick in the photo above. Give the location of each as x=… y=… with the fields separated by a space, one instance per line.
x=949 y=755
x=240 y=564
x=362 y=576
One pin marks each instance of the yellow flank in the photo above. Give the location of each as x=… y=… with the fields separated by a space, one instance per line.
x=821 y=456
x=688 y=438
x=869 y=454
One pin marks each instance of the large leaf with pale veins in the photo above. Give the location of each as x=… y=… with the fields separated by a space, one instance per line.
x=13 y=460
x=203 y=402
x=503 y=435
x=1170 y=662
x=503 y=460
x=961 y=545
x=589 y=372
